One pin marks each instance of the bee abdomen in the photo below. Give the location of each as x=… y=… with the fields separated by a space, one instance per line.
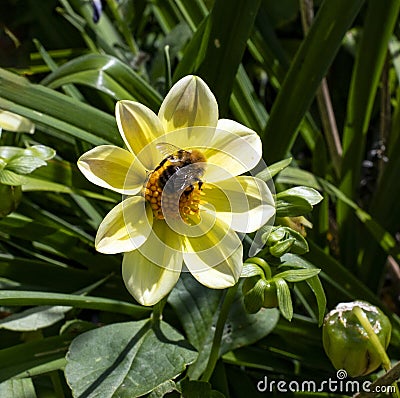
x=168 y=172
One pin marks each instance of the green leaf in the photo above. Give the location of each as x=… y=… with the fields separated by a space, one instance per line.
x=24 y=164
x=316 y=287
x=8 y=177
x=311 y=195
x=273 y=170
x=20 y=388
x=307 y=69
x=126 y=359
x=34 y=318
x=163 y=389
x=314 y=282
x=291 y=206
x=284 y=298
x=197 y=308
x=107 y=74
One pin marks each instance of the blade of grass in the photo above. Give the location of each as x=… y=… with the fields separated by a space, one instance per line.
x=221 y=48
x=18 y=298
x=309 y=66
x=378 y=27
x=56 y=111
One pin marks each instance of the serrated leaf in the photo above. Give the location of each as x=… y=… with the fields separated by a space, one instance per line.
x=284 y=298
x=8 y=177
x=25 y=164
x=126 y=360
x=297 y=275
x=19 y=388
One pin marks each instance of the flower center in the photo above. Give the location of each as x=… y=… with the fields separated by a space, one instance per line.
x=174 y=188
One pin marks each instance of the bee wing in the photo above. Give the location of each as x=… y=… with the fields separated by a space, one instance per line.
x=185 y=177
x=167 y=149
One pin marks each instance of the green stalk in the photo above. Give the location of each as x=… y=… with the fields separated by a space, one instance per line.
x=158 y=309
x=223 y=315
x=362 y=317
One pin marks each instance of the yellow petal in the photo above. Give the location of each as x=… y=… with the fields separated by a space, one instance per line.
x=216 y=258
x=189 y=103
x=244 y=203
x=125 y=228
x=147 y=282
x=162 y=245
x=139 y=126
x=113 y=168
x=234 y=148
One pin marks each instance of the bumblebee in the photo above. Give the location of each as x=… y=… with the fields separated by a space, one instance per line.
x=177 y=179
x=174 y=165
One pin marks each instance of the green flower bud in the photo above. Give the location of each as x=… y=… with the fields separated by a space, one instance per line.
x=10 y=197
x=258 y=292
x=270 y=295
x=347 y=343
x=282 y=247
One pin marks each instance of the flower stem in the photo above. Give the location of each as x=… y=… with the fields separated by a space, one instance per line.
x=362 y=317
x=216 y=344
x=158 y=309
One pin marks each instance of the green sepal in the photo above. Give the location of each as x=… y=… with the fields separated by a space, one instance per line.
x=8 y=177
x=253 y=290
x=24 y=164
x=284 y=298
x=298 y=275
